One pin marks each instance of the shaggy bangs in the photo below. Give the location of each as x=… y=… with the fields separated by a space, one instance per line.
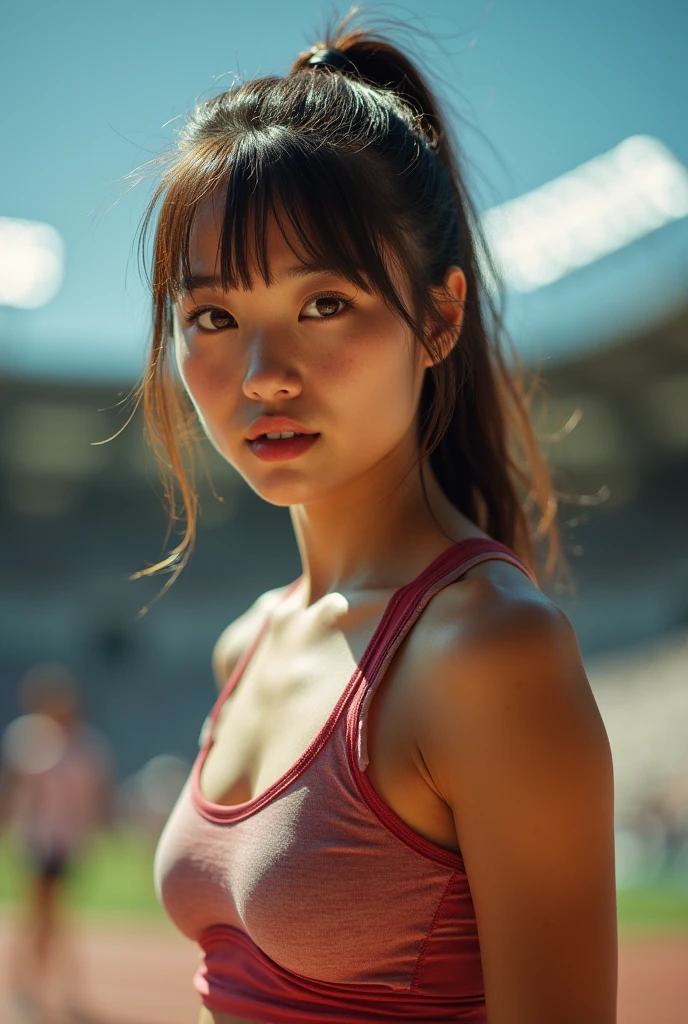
x=359 y=171
x=324 y=203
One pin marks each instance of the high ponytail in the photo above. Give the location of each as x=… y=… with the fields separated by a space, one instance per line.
x=367 y=145
x=486 y=454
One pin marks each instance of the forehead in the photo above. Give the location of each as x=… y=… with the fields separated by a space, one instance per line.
x=205 y=239
x=261 y=242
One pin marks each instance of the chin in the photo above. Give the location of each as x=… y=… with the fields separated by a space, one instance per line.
x=285 y=492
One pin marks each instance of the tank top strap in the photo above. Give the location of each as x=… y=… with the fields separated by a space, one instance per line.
x=401 y=613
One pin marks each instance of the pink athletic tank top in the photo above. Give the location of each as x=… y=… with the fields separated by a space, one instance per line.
x=314 y=902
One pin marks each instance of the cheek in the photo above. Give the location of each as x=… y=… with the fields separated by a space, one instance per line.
x=207 y=379
x=201 y=369
x=372 y=386
x=210 y=393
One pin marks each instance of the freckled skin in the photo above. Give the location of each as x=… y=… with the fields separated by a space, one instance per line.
x=355 y=378
x=351 y=379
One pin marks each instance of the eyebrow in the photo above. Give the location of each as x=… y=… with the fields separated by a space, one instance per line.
x=194 y=282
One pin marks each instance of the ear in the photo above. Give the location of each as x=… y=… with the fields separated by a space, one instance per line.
x=450 y=297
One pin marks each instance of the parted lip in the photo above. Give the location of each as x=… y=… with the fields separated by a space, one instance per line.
x=275 y=425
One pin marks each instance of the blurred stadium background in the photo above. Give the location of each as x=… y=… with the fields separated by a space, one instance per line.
x=588 y=191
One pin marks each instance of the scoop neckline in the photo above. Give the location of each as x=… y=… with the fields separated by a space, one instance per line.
x=223 y=813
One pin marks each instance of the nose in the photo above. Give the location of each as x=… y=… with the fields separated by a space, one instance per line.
x=271 y=373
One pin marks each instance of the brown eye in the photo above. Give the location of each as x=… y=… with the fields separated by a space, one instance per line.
x=215 y=320
x=327 y=307
x=210 y=319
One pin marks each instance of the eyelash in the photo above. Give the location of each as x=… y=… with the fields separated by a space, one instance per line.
x=191 y=318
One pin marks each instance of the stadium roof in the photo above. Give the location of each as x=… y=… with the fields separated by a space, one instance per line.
x=577 y=157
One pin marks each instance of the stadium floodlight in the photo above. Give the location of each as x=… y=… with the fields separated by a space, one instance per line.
x=31 y=263
x=606 y=203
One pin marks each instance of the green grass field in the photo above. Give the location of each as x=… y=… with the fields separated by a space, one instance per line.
x=117 y=879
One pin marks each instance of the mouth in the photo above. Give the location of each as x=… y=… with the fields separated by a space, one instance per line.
x=282 y=436
x=285 y=445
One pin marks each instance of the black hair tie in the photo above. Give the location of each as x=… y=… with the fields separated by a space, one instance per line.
x=331 y=59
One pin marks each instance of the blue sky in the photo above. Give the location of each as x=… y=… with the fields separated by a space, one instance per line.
x=90 y=91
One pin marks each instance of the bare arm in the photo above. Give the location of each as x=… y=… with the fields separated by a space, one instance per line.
x=516 y=745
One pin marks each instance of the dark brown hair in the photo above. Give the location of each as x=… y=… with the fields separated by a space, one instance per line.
x=365 y=148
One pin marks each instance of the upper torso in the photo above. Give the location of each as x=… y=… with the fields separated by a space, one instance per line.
x=299 y=670
x=297 y=674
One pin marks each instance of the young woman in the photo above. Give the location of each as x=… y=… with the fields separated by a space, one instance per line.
x=402 y=808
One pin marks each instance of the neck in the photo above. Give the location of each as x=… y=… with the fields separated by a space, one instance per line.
x=376 y=533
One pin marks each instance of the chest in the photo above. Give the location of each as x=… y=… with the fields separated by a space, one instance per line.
x=286 y=695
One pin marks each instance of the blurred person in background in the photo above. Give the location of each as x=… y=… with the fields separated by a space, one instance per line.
x=56 y=791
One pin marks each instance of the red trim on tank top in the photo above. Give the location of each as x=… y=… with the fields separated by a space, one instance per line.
x=221 y=813
x=322 y=1002
x=355 y=728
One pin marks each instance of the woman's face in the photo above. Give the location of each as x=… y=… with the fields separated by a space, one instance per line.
x=311 y=347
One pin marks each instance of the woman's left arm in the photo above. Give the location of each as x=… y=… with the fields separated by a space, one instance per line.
x=514 y=741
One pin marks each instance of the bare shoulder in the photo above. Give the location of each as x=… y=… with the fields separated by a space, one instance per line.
x=235 y=639
x=514 y=743
x=490 y=603
x=502 y=658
